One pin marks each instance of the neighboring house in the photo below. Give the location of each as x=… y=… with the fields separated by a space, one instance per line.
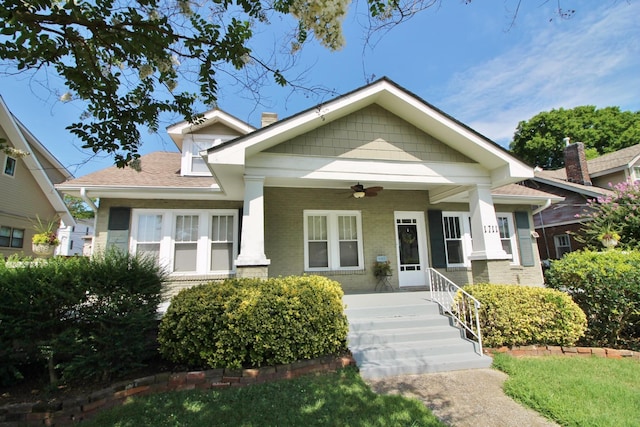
x=26 y=186
x=74 y=239
x=295 y=196
x=579 y=181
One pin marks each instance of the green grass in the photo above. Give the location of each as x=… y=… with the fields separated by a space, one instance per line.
x=595 y=392
x=337 y=399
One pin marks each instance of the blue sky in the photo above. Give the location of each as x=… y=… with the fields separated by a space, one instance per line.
x=466 y=59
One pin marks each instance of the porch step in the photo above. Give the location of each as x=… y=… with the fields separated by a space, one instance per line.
x=392 y=334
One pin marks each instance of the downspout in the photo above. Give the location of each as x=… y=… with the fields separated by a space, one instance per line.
x=544 y=231
x=87 y=200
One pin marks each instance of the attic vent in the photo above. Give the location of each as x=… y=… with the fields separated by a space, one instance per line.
x=269 y=118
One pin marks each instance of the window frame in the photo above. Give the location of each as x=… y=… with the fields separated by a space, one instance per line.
x=189 y=153
x=333 y=239
x=12 y=237
x=467 y=240
x=203 y=242
x=557 y=245
x=8 y=158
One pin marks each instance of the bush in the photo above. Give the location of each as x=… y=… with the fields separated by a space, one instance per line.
x=84 y=318
x=252 y=322
x=520 y=315
x=606 y=285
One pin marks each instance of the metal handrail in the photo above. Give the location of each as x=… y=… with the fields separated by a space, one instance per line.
x=465 y=310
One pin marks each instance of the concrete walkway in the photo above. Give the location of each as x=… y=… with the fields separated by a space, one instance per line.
x=471 y=398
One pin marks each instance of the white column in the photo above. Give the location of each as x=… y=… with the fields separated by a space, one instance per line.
x=484 y=225
x=252 y=239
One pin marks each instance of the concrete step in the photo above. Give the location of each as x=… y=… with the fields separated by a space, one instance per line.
x=389 y=336
x=406 y=334
x=427 y=364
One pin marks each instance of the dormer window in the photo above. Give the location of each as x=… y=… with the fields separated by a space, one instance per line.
x=192 y=163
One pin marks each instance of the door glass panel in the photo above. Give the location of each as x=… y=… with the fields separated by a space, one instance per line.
x=408 y=238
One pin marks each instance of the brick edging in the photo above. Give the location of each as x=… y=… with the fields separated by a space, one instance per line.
x=59 y=412
x=550 y=350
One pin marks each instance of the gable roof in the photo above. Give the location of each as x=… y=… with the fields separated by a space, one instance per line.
x=395 y=99
x=21 y=138
x=159 y=177
x=178 y=130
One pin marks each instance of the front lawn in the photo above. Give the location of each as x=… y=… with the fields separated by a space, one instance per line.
x=336 y=399
x=595 y=392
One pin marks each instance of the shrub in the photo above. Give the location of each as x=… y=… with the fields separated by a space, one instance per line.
x=251 y=322
x=83 y=317
x=606 y=285
x=521 y=315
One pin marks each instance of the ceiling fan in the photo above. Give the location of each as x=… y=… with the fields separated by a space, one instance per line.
x=359 y=191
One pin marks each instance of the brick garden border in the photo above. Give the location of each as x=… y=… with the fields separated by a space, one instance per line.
x=69 y=411
x=550 y=350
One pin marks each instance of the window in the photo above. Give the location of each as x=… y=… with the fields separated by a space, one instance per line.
x=333 y=240
x=458 y=239
x=508 y=235
x=563 y=245
x=187 y=241
x=192 y=162
x=10 y=166
x=636 y=173
x=11 y=237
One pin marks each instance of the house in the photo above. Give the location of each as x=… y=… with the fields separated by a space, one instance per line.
x=26 y=186
x=579 y=181
x=377 y=172
x=76 y=239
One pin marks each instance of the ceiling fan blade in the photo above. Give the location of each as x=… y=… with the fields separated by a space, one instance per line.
x=376 y=189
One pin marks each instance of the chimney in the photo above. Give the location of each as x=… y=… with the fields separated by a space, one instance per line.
x=575 y=163
x=269 y=118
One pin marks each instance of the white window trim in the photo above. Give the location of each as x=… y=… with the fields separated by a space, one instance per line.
x=333 y=241
x=4 y=166
x=557 y=246
x=515 y=260
x=188 y=151
x=167 y=242
x=465 y=229
x=467 y=243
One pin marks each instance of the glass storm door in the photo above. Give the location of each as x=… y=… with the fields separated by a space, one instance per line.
x=411 y=244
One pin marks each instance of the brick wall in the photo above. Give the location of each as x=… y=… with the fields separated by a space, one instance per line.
x=74 y=410
x=549 y=350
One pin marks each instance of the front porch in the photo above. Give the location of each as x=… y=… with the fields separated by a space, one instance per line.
x=405 y=332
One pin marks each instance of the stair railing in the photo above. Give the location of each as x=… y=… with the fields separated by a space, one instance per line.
x=465 y=309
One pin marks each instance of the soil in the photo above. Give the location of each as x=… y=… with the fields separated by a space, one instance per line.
x=35 y=388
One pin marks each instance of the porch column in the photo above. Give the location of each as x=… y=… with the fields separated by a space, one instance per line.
x=484 y=226
x=252 y=261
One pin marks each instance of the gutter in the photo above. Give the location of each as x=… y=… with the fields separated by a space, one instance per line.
x=541 y=208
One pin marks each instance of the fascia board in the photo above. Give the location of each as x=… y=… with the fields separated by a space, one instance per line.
x=179 y=130
x=590 y=193
x=331 y=168
x=18 y=140
x=176 y=193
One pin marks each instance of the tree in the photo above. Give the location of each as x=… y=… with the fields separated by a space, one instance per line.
x=617 y=215
x=125 y=58
x=539 y=141
x=77 y=207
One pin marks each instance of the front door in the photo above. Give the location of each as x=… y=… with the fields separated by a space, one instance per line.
x=411 y=242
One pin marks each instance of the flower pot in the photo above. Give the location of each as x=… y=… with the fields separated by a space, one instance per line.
x=43 y=249
x=609 y=243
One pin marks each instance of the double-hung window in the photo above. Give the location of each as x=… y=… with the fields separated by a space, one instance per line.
x=192 y=162
x=508 y=235
x=562 y=244
x=458 y=238
x=187 y=241
x=333 y=240
x=11 y=237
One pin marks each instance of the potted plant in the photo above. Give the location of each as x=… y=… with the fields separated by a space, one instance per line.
x=382 y=268
x=44 y=241
x=609 y=238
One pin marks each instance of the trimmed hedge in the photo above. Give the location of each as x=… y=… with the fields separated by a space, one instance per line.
x=606 y=285
x=80 y=318
x=252 y=322
x=512 y=315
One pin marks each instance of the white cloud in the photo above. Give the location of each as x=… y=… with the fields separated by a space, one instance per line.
x=589 y=60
